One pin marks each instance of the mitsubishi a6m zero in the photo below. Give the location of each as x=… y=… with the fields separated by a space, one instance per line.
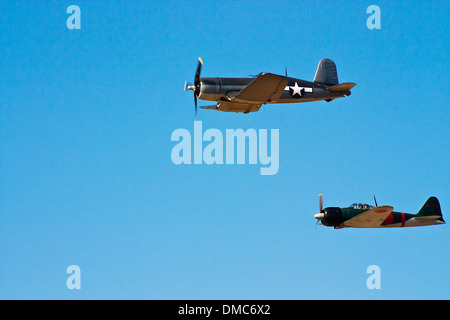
x=360 y=215
x=249 y=94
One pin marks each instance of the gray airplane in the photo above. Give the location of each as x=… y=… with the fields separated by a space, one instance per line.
x=249 y=94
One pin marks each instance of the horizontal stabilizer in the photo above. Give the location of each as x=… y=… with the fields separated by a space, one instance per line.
x=428 y=218
x=347 y=86
x=214 y=107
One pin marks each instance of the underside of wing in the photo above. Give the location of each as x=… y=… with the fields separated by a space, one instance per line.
x=265 y=87
x=233 y=107
x=370 y=219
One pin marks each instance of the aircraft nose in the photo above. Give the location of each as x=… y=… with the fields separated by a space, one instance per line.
x=319 y=216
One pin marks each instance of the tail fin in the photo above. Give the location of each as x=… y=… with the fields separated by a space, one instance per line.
x=326 y=73
x=430 y=208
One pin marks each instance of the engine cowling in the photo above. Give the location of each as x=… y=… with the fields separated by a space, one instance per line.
x=210 y=89
x=215 y=89
x=332 y=217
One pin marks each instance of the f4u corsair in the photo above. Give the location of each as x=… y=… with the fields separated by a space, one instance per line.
x=360 y=215
x=249 y=94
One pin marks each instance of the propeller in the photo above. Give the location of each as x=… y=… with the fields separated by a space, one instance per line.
x=317 y=223
x=320 y=215
x=375 y=199
x=196 y=86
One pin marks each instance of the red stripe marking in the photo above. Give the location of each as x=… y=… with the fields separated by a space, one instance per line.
x=403 y=219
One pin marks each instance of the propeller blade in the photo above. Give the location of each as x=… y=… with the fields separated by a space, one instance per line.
x=195 y=100
x=197 y=73
x=320 y=202
x=197 y=82
x=375 y=199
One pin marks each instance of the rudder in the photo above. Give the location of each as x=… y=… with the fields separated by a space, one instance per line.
x=326 y=73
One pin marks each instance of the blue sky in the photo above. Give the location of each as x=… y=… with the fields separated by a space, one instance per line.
x=86 y=176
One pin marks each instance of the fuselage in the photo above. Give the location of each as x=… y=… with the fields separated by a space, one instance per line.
x=335 y=217
x=297 y=90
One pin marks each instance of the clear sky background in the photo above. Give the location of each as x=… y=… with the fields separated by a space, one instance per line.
x=86 y=176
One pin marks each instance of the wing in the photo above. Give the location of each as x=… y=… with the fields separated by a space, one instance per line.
x=233 y=107
x=370 y=219
x=265 y=87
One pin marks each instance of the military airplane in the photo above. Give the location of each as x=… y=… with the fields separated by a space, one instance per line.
x=361 y=215
x=249 y=94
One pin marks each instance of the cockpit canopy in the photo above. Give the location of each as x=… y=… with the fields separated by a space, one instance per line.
x=361 y=206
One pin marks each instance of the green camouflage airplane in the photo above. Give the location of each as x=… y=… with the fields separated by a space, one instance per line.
x=361 y=215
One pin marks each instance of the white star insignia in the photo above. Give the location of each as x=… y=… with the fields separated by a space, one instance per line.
x=298 y=90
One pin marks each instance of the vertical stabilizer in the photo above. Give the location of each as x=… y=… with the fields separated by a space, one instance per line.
x=430 y=208
x=326 y=73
